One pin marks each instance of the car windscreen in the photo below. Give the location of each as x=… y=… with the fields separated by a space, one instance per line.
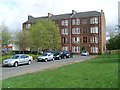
x=84 y=51
x=15 y=57
x=44 y=54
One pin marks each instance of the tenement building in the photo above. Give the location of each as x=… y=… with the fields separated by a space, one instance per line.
x=79 y=30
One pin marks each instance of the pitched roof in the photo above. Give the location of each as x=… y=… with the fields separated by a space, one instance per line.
x=33 y=19
x=86 y=14
x=64 y=16
x=61 y=16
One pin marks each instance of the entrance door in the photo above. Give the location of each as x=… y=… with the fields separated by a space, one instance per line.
x=83 y=48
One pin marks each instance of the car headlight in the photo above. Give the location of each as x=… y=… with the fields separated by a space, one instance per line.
x=67 y=54
x=57 y=55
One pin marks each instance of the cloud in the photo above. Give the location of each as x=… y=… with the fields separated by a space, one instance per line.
x=15 y=12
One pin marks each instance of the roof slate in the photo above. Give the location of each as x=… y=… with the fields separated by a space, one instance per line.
x=66 y=16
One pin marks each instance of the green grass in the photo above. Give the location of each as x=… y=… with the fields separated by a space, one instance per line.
x=102 y=72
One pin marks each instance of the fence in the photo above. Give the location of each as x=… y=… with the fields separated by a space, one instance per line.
x=113 y=51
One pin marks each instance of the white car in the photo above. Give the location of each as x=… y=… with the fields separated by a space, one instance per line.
x=46 y=57
x=85 y=53
x=17 y=60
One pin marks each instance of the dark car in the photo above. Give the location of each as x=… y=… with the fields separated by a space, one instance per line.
x=57 y=55
x=66 y=54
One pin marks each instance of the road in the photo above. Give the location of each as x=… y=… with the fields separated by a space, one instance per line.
x=8 y=72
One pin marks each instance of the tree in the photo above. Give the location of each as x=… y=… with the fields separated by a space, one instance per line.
x=114 y=42
x=22 y=40
x=45 y=35
x=6 y=35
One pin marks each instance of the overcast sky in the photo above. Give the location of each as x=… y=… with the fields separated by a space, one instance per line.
x=14 y=12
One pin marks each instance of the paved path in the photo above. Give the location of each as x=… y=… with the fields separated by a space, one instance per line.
x=40 y=66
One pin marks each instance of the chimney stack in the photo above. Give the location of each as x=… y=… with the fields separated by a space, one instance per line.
x=29 y=17
x=49 y=14
x=73 y=12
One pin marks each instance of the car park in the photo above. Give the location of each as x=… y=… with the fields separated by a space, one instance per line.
x=66 y=54
x=17 y=60
x=45 y=57
x=85 y=53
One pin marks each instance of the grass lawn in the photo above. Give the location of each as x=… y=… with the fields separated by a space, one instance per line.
x=102 y=72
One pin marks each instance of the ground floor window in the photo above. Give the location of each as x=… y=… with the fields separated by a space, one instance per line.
x=65 y=48
x=76 y=49
x=94 y=49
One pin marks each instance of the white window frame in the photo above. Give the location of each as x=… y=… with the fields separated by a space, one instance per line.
x=65 y=48
x=64 y=23
x=94 y=49
x=64 y=31
x=94 y=29
x=76 y=30
x=28 y=26
x=76 y=49
x=73 y=21
x=94 y=20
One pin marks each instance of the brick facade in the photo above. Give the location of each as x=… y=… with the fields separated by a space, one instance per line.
x=79 y=31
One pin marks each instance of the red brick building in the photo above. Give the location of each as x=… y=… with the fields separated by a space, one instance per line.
x=79 y=31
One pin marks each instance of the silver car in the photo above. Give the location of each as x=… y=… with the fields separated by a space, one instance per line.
x=85 y=53
x=18 y=59
x=45 y=57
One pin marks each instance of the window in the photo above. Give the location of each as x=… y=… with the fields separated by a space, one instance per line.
x=75 y=49
x=64 y=23
x=84 y=21
x=94 y=39
x=94 y=49
x=84 y=39
x=65 y=40
x=76 y=22
x=94 y=29
x=64 y=31
x=94 y=20
x=75 y=39
x=84 y=30
x=65 y=48
x=75 y=30
x=28 y=26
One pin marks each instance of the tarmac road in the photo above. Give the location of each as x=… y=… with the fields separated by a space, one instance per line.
x=8 y=72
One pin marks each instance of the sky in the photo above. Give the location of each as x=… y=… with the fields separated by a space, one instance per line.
x=14 y=12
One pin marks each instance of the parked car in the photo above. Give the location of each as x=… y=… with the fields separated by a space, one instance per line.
x=18 y=59
x=66 y=54
x=85 y=53
x=45 y=57
x=57 y=55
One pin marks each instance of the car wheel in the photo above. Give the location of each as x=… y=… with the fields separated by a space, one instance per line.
x=29 y=62
x=53 y=59
x=37 y=60
x=64 y=57
x=59 y=58
x=15 y=64
x=46 y=60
